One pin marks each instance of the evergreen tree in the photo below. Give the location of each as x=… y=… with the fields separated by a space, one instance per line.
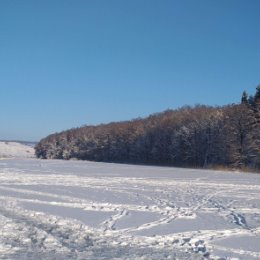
x=257 y=95
x=244 y=99
x=251 y=101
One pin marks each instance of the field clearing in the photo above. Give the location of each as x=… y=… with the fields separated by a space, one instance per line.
x=54 y=209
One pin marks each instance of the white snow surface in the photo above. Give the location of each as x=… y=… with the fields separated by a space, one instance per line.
x=15 y=150
x=58 y=210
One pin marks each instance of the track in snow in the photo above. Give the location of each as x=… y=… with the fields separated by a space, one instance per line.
x=87 y=210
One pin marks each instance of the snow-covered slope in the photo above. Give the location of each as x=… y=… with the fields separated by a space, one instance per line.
x=15 y=150
x=67 y=210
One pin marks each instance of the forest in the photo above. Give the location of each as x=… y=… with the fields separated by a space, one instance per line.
x=198 y=136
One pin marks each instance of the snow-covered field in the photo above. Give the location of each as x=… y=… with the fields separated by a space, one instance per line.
x=86 y=210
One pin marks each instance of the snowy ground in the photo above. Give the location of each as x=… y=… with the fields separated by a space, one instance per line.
x=86 y=210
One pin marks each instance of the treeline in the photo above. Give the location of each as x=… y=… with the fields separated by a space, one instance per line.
x=199 y=136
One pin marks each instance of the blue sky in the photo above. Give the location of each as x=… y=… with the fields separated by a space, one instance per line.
x=68 y=63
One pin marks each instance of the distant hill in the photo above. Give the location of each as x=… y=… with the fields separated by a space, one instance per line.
x=11 y=149
x=30 y=143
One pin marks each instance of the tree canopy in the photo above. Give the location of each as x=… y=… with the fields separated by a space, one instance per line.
x=199 y=136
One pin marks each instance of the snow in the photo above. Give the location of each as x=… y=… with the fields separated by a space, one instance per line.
x=15 y=150
x=51 y=209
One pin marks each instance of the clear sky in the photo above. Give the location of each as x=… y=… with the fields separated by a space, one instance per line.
x=68 y=63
